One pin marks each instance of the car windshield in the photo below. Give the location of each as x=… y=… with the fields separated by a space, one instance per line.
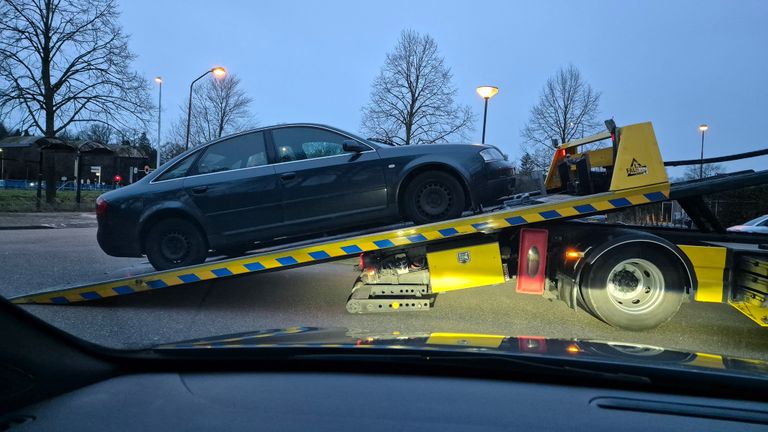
x=457 y=176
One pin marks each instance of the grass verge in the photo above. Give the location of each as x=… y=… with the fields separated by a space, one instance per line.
x=25 y=200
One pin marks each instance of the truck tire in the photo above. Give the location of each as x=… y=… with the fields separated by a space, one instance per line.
x=637 y=286
x=175 y=242
x=433 y=196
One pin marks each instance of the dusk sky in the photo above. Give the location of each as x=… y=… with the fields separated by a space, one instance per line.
x=675 y=63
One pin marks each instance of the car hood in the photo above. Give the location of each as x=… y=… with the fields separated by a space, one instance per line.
x=527 y=346
x=745 y=228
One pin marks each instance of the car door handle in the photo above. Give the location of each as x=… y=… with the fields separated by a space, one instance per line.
x=288 y=176
x=199 y=190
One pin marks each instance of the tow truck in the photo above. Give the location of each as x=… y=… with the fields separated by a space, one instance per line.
x=631 y=277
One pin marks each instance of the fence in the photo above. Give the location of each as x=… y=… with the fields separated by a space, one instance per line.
x=68 y=186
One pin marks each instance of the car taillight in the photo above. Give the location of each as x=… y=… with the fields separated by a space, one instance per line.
x=101 y=207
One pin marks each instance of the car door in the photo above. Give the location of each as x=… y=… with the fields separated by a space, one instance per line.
x=324 y=187
x=236 y=189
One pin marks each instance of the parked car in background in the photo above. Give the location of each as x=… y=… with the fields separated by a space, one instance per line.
x=756 y=225
x=288 y=181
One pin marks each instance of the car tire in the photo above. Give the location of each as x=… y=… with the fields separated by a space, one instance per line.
x=175 y=242
x=634 y=286
x=433 y=196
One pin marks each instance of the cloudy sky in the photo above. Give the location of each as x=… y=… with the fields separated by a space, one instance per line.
x=677 y=64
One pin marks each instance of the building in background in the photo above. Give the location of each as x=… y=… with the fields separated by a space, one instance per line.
x=24 y=157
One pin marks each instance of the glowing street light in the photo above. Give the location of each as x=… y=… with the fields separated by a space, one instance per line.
x=218 y=72
x=486 y=92
x=702 y=128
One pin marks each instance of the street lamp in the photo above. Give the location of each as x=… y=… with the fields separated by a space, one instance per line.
x=486 y=92
x=218 y=72
x=703 y=128
x=159 y=81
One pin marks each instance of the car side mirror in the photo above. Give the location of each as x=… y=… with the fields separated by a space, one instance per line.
x=353 y=146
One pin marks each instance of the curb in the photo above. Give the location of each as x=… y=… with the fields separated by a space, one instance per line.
x=26 y=227
x=48 y=226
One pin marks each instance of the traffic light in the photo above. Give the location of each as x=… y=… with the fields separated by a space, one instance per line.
x=118 y=179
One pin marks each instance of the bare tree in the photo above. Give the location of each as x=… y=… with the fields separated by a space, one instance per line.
x=412 y=99
x=65 y=62
x=170 y=150
x=567 y=109
x=219 y=107
x=693 y=172
x=98 y=132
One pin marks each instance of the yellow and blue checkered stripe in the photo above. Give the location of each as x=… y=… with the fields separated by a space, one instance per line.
x=578 y=206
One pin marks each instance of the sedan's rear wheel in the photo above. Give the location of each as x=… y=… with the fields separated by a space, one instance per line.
x=433 y=196
x=175 y=242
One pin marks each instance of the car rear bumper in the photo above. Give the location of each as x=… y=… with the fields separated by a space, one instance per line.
x=115 y=242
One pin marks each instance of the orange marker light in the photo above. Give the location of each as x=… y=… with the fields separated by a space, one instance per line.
x=573 y=254
x=573 y=349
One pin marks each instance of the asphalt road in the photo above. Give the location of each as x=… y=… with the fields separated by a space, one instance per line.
x=33 y=260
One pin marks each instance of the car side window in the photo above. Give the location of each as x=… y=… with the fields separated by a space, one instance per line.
x=179 y=170
x=299 y=143
x=242 y=151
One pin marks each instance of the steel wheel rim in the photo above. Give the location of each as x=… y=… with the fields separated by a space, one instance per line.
x=434 y=200
x=635 y=286
x=175 y=246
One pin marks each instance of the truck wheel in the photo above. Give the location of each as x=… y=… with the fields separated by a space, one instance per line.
x=634 y=287
x=175 y=242
x=433 y=196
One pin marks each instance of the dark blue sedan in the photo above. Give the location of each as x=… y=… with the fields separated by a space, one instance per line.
x=291 y=181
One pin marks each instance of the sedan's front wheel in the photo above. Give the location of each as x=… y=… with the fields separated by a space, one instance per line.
x=433 y=196
x=175 y=242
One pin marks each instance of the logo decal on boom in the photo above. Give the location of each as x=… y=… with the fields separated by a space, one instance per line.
x=635 y=168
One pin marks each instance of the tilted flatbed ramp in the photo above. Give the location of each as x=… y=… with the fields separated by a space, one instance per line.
x=324 y=251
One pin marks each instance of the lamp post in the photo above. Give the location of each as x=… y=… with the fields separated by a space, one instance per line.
x=217 y=72
x=159 y=81
x=486 y=92
x=703 y=128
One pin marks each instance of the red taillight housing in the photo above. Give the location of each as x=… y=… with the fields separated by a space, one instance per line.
x=532 y=261
x=101 y=207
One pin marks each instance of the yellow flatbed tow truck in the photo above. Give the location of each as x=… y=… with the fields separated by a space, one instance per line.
x=631 y=277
